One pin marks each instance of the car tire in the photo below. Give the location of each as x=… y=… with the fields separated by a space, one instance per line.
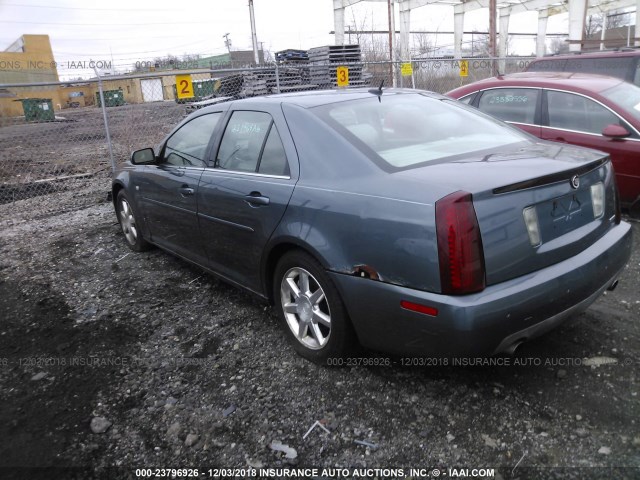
x=311 y=310
x=127 y=217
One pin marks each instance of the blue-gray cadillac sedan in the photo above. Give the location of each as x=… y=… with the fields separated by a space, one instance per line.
x=397 y=219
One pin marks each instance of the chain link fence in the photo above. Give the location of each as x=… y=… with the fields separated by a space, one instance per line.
x=69 y=135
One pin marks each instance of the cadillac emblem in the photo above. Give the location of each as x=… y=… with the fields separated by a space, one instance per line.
x=575 y=181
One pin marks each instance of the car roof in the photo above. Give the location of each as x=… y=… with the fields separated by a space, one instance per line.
x=585 y=82
x=314 y=98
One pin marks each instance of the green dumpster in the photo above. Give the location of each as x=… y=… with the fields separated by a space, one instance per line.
x=38 y=110
x=112 y=98
x=203 y=88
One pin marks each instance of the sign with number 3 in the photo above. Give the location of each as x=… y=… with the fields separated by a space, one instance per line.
x=342 y=74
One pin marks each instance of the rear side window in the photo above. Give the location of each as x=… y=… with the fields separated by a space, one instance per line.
x=575 y=112
x=510 y=104
x=251 y=144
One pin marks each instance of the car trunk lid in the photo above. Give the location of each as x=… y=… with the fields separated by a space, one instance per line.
x=556 y=203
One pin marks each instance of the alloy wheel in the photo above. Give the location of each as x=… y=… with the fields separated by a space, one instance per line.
x=305 y=307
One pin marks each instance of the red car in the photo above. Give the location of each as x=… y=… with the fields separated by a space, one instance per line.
x=582 y=109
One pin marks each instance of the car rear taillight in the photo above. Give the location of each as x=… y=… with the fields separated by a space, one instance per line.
x=459 y=245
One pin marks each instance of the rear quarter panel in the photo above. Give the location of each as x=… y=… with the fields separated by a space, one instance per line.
x=349 y=212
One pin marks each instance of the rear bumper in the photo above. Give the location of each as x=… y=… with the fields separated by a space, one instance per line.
x=488 y=322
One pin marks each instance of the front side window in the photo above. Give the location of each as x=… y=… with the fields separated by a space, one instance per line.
x=188 y=146
x=251 y=143
x=510 y=104
x=568 y=111
x=626 y=96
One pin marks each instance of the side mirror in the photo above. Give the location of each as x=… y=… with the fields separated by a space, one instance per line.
x=615 y=131
x=145 y=156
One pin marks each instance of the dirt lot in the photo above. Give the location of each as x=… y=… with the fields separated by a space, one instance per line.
x=112 y=361
x=34 y=155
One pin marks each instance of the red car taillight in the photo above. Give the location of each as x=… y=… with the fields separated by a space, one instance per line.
x=459 y=245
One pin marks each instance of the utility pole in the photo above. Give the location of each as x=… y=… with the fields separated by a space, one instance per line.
x=392 y=32
x=254 y=37
x=493 y=11
x=227 y=42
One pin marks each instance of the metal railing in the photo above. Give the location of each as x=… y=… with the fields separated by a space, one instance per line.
x=54 y=136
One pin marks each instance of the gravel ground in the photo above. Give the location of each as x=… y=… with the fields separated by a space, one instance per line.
x=112 y=361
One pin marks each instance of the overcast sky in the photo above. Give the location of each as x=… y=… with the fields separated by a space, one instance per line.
x=124 y=32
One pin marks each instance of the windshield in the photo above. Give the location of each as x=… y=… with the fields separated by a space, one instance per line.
x=627 y=96
x=409 y=129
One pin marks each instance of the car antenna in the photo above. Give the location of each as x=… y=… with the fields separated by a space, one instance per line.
x=378 y=91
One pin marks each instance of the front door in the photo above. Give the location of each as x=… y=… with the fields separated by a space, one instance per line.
x=579 y=120
x=170 y=186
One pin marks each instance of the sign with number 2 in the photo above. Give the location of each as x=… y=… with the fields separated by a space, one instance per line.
x=184 y=86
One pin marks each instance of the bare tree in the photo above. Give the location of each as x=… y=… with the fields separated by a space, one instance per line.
x=479 y=44
x=610 y=21
x=356 y=28
x=593 y=25
x=424 y=43
x=618 y=20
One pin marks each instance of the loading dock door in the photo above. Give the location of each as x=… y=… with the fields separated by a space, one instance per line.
x=152 y=89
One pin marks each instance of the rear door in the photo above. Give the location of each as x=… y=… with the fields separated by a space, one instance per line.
x=579 y=120
x=244 y=193
x=518 y=106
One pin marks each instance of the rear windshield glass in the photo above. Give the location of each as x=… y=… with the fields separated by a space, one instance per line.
x=409 y=129
x=627 y=96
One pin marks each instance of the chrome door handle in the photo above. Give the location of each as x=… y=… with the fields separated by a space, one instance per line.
x=186 y=191
x=256 y=198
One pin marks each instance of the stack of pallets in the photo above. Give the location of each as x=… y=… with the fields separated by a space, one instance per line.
x=323 y=62
x=253 y=84
x=291 y=56
x=290 y=79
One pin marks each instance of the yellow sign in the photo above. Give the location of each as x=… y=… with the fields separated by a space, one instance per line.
x=342 y=75
x=464 y=68
x=406 y=69
x=184 y=86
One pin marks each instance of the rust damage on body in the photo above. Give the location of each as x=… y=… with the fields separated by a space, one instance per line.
x=366 y=271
